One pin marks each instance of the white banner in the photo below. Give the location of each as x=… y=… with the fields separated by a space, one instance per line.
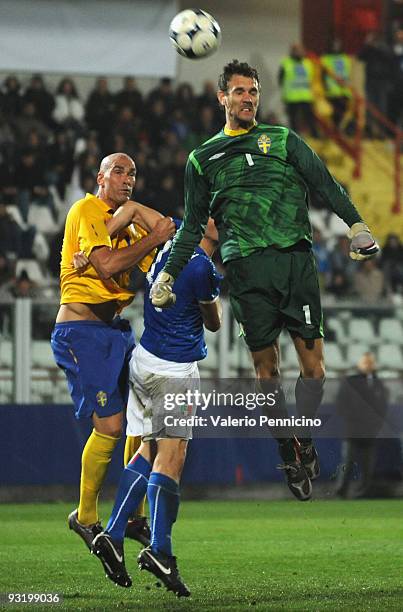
x=111 y=37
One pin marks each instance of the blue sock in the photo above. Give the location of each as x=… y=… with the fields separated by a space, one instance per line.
x=163 y=499
x=132 y=488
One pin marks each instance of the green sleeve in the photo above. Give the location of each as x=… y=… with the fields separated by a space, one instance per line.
x=197 y=204
x=319 y=179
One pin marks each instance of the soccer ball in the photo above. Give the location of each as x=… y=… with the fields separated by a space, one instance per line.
x=194 y=33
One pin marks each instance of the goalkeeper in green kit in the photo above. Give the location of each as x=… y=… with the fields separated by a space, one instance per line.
x=255 y=181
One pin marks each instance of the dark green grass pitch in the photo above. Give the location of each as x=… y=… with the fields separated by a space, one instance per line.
x=283 y=555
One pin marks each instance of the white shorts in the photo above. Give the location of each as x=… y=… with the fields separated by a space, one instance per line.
x=147 y=413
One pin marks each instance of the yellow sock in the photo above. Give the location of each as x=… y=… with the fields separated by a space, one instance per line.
x=132 y=444
x=95 y=460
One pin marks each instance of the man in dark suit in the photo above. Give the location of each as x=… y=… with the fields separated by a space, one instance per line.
x=362 y=402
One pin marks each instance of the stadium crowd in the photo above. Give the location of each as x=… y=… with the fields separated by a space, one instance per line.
x=50 y=148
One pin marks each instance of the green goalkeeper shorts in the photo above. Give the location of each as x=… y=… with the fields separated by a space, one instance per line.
x=273 y=289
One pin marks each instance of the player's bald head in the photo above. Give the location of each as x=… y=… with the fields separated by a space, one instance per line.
x=116 y=179
x=110 y=160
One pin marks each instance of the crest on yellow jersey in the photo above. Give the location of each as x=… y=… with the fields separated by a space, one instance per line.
x=264 y=143
x=102 y=398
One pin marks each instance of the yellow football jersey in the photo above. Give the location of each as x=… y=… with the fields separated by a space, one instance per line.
x=85 y=229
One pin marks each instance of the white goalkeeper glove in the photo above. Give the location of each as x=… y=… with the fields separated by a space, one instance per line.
x=362 y=246
x=161 y=291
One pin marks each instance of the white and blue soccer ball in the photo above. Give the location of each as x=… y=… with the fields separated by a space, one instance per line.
x=194 y=34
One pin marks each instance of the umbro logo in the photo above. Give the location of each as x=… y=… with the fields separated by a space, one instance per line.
x=217 y=155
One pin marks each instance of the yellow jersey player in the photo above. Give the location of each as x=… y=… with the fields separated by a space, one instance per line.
x=90 y=341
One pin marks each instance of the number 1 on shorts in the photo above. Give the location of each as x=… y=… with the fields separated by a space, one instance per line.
x=307 y=312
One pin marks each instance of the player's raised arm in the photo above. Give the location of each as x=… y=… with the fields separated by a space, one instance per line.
x=133 y=212
x=319 y=179
x=108 y=262
x=124 y=216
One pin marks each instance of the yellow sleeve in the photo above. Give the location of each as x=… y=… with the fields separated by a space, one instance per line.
x=146 y=262
x=92 y=231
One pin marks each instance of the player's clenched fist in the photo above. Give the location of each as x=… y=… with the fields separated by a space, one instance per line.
x=362 y=246
x=163 y=230
x=80 y=261
x=161 y=291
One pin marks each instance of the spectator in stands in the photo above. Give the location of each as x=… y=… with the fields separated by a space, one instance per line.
x=88 y=165
x=7 y=137
x=86 y=184
x=296 y=77
x=206 y=124
x=69 y=110
x=185 y=100
x=396 y=95
x=156 y=121
x=177 y=168
x=166 y=202
x=168 y=147
x=24 y=287
x=369 y=282
x=342 y=268
x=60 y=155
x=128 y=125
x=203 y=129
x=362 y=402
x=8 y=187
x=119 y=143
x=36 y=146
x=180 y=124
x=10 y=99
x=99 y=110
x=339 y=286
x=208 y=97
x=41 y=98
x=29 y=122
x=89 y=144
x=378 y=77
x=130 y=96
x=163 y=92
x=149 y=173
x=16 y=241
x=144 y=194
x=338 y=63
x=392 y=263
x=32 y=185
x=20 y=287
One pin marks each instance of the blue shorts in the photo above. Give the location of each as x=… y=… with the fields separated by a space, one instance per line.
x=95 y=358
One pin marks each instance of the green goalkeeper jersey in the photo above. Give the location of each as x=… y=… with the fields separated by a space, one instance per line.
x=255 y=184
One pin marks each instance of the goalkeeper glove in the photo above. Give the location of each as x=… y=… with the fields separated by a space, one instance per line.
x=161 y=291
x=362 y=246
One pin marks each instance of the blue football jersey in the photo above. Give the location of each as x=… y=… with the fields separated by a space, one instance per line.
x=176 y=333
